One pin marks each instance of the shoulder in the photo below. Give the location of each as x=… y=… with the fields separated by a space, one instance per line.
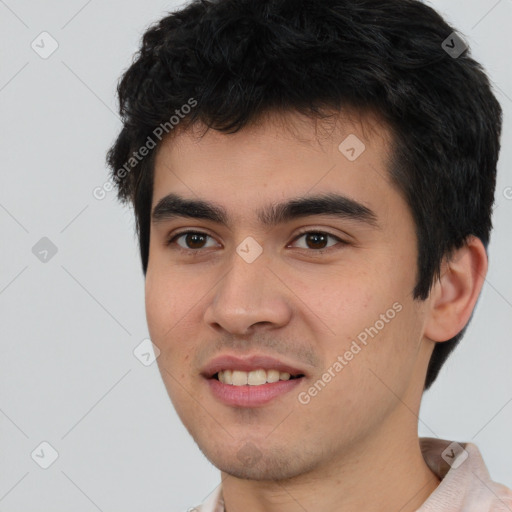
x=502 y=501
x=213 y=502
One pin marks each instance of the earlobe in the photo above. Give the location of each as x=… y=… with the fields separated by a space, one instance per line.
x=454 y=295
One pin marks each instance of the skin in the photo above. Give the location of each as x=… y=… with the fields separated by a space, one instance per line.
x=354 y=446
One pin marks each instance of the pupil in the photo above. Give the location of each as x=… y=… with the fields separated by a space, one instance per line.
x=194 y=240
x=315 y=238
x=194 y=237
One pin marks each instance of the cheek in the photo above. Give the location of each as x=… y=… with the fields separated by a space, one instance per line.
x=162 y=307
x=372 y=374
x=154 y=302
x=373 y=317
x=389 y=359
x=170 y=319
x=348 y=301
x=162 y=314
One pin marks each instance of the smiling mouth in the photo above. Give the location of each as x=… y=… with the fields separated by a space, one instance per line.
x=253 y=378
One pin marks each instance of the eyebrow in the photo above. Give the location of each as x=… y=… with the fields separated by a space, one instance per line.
x=335 y=205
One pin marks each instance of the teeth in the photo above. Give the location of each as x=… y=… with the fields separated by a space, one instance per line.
x=227 y=377
x=272 y=375
x=253 y=378
x=239 y=378
x=256 y=377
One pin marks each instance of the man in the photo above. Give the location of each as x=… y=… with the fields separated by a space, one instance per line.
x=313 y=184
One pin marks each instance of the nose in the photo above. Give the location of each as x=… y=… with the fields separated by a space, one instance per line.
x=248 y=297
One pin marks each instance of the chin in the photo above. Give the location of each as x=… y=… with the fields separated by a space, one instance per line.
x=252 y=463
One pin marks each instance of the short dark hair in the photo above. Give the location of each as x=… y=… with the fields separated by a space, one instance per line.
x=240 y=59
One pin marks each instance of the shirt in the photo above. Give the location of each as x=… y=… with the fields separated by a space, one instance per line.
x=465 y=485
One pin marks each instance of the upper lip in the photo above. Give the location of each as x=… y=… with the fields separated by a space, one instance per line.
x=247 y=364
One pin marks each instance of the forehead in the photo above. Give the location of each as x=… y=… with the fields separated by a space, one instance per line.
x=292 y=131
x=278 y=157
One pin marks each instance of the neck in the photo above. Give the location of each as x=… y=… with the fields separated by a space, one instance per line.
x=384 y=473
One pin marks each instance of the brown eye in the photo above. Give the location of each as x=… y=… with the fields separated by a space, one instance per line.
x=193 y=240
x=318 y=240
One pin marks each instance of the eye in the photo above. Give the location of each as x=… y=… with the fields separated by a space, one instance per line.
x=317 y=240
x=193 y=240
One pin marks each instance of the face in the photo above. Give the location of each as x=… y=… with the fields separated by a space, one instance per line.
x=298 y=257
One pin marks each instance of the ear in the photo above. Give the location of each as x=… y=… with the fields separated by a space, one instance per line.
x=454 y=295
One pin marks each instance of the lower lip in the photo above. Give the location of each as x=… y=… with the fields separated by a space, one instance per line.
x=251 y=396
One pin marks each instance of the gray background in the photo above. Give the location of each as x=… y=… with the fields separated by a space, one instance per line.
x=69 y=325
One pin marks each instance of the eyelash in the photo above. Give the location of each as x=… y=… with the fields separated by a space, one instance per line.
x=176 y=236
